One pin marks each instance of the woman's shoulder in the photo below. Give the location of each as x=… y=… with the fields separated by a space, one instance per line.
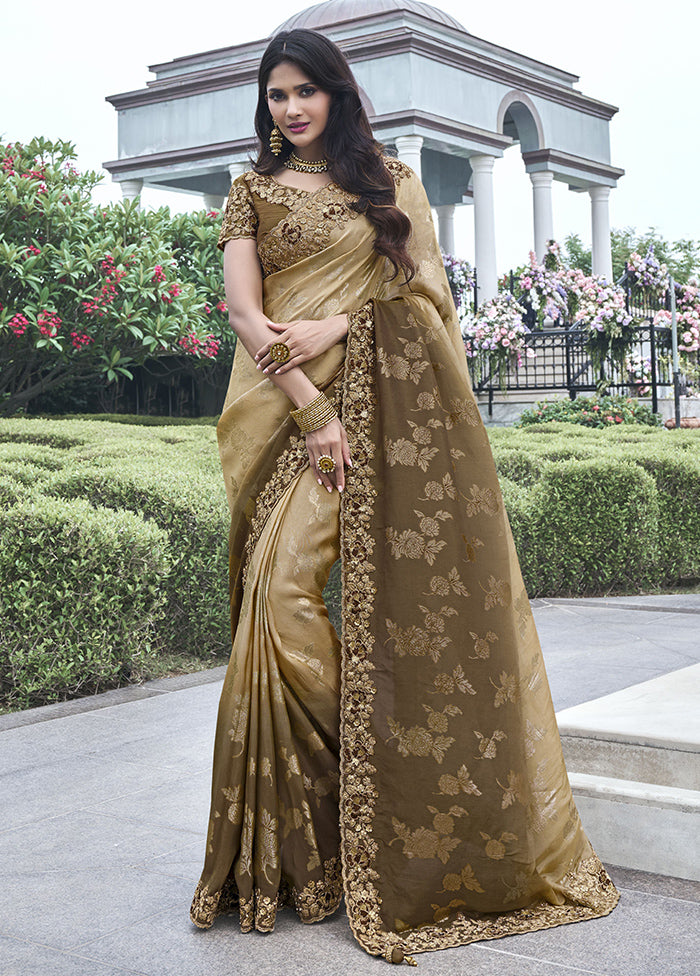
x=399 y=170
x=261 y=186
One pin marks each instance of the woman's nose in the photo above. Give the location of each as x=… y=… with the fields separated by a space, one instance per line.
x=293 y=108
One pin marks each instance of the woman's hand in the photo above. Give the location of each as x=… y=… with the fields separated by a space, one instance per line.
x=306 y=339
x=332 y=440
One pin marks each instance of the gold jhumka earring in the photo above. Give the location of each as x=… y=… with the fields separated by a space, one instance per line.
x=276 y=141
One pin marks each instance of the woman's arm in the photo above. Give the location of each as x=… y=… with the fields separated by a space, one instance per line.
x=243 y=286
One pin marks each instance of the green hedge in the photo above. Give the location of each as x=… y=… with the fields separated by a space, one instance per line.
x=82 y=600
x=601 y=511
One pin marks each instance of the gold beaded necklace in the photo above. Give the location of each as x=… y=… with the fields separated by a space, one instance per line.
x=305 y=166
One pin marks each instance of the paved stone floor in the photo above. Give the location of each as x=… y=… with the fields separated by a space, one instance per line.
x=105 y=802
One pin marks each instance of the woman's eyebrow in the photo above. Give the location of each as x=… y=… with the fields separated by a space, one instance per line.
x=306 y=84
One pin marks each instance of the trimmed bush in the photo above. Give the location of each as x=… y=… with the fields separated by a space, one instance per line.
x=677 y=479
x=82 y=600
x=595 y=528
x=183 y=502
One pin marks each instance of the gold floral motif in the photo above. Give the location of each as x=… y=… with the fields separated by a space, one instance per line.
x=423 y=843
x=461 y=783
x=513 y=791
x=482 y=645
x=447 y=684
x=487 y=744
x=454 y=882
x=496 y=846
x=507 y=691
x=419 y=741
x=481 y=500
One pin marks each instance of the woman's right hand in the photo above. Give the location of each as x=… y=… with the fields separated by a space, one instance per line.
x=330 y=439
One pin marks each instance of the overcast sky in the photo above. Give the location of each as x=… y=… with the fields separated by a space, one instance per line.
x=59 y=61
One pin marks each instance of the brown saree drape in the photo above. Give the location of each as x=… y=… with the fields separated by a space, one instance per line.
x=418 y=758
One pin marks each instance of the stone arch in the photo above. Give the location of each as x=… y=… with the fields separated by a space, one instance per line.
x=518 y=117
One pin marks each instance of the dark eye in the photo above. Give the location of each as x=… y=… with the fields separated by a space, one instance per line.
x=308 y=91
x=274 y=96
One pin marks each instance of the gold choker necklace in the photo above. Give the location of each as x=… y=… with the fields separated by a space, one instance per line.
x=304 y=166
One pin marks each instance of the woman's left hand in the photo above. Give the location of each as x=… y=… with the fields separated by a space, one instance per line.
x=306 y=340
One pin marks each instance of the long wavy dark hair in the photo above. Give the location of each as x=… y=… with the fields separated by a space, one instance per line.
x=354 y=155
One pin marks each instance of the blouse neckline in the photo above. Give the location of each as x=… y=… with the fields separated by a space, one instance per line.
x=299 y=189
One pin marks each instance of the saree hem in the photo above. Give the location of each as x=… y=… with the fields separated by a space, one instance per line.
x=312 y=903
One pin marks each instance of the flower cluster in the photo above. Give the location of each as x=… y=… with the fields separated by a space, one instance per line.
x=542 y=290
x=460 y=276
x=601 y=308
x=158 y=274
x=31 y=249
x=497 y=328
x=687 y=317
x=172 y=291
x=647 y=273
x=108 y=291
x=80 y=339
x=208 y=347
x=18 y=323
x=639 y=371
x=49 y=323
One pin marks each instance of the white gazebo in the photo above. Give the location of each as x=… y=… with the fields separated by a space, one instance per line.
x=449 y=103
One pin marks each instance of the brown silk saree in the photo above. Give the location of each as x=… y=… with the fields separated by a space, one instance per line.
x=413 y=764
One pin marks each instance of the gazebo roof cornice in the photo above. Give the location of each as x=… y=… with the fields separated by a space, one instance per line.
x=383 y=43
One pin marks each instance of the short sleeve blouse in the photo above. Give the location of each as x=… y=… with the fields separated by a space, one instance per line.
x=240 y=219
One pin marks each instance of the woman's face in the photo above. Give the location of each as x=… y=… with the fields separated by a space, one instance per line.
x=299 y=107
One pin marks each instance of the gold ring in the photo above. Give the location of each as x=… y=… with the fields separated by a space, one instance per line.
x=325 y=463
x=280 y=352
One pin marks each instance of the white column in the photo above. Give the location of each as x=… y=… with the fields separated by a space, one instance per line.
x=409 y=148
x=542 y=210
x=484 y=227
x=131 y=189
x=600 y=227
x=446 y=227
x=212 y=201
x=237 y=169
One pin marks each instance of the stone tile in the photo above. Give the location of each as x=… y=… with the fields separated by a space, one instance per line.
x=180 y=804
x=29 y=959
x=72 y=879
x=57 y=788
x=645 y=935
x=186 y=862
x=191 y=712
x=170 y=749
x=652 y=884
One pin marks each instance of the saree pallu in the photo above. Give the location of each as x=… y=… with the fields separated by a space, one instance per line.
x=415 y=764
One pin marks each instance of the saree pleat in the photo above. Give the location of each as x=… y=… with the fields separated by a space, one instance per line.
x=420 y=754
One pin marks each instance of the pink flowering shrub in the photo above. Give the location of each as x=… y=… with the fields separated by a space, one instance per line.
x=87 y=290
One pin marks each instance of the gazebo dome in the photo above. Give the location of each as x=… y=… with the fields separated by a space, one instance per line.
x=332 y=12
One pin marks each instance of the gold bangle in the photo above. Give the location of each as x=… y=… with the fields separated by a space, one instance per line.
x=315 y=414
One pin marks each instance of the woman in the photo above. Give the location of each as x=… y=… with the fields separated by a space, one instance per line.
x=415 y=766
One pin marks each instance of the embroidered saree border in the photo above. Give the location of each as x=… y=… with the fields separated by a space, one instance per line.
x=358 y=793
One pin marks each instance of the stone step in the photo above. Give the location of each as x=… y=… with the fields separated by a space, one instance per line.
x=649 y=732
x=640 y=825
x=627 y=759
